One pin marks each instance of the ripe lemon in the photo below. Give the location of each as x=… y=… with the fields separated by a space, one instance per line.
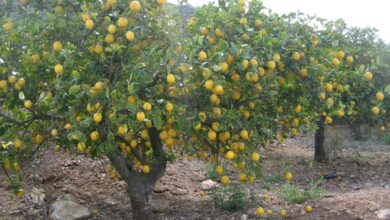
x=212 y=135
x=218 y=90
x=135 y=6
x=243 y=21
x=95 y=135
x=99 y=86
x=12 y=79
x=245 y=64
x=68 y=126
x=219 y=169
x=368 y=76
x=146 y=169
x=209 y=84
x=54 y=132
x=229 y=155
x=169 y=107
x=328 y=88
x=122 y=22
x=380 y=96
x=109 y=38
x=296 y=56
x=271 y=65
x=375 y=110
x=225 y=180
x=308 y=209
x=328 y=120
x=7 y=26
x=98 y=117
x=335 y=62
x=258 y=23
x=161 y=2
x=59 y=69
x=140 y=116
x=171 y=79
x=255 y=157
x=18 y=143
x=57 y=46
x=111 y=29
x=39 y=139
x=288 y=176
x=283 y=213
x=98 y=49
x=298 y=109
x=260 y=211
x=340 y=113
x=122 y=130
x=3 y=84
x=130 y=36
x=89 y=24
x=85 y=16
x=27 y=104
x=147 y=107
x=349 y=60
x=202 y=56
x=244 y=134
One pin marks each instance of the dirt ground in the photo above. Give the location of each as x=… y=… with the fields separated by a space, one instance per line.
x=362 y=188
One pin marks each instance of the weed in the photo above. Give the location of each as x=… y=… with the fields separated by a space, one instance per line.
x=297 y=194
x=230 y=198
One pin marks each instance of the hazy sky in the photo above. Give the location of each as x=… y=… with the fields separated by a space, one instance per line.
x=362 y=13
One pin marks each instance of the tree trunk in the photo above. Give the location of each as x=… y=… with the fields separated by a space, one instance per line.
x=319 y=152
x=140 y=186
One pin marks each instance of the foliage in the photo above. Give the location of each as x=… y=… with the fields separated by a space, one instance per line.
x=386 y=137
x=231 y=198
x=296 y=194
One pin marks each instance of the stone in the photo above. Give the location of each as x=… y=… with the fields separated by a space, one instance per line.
x=37 y=196
x=244 y=217
x=198 y=177
x=383 y=214
x=160 y=206
x=68 y=209
x=179 y=192
x=170 y=172
x=208 y=184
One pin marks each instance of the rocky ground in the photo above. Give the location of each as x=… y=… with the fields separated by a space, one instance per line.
x=361 y=189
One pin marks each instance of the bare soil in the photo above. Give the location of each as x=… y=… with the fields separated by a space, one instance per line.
x=361 y=188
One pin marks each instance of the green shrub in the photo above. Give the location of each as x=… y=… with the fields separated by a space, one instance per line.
x=386 y=137
x=297 y=194
x=230 y=198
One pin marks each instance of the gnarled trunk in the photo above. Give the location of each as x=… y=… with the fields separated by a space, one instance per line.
x=140 y=186
x=319 y=139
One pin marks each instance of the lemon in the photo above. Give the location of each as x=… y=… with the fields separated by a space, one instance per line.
x=202 y=56
x=296 y=56
x=283 y=213
x=147 y=107
x=244 y=134
x=288 y=176
x=229 y=155
x=85 y=16
x=169 y=107
x=97 y=117
x=111 y=29
x=209 y=84
x=255 y=157
x=135 y=6
x=328 y=120
x=146 y=169
x=219 y=169
x=68 y=126
x=171 y=79
x=161 y=2
x=7 y=26
x=349 y=60
x=212 y=135
x=328 y=88
x=375 y=110
x=95 y=135
x=27 y=104
x=140 y=116
x=54 y=132
x=39 y=139
x=89 y=24
x=260 y=211
x=368 y=76
x=225 y=180
x=3 y=84
x=122 y=130
x=245 y=64
x=271 y=65
x=298 y=109
x=242 y=177
x=380 y=96
x=18 y=143
x=308 y=209
x=59 y=69
x=243 y=21
x=109 y=38
x=122 y=22
x=335 y=62
x=57 y=46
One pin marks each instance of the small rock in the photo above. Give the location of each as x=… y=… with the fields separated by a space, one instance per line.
x=383 y=214
x=179 y=192
x=67 y=209
x=160 y=206
x=37 y=196
x=161 y=189
x=170 y=172
x=244 y=217
x=209 y=184
x=198 y=177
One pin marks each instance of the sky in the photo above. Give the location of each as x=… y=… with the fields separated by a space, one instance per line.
x=360 y=13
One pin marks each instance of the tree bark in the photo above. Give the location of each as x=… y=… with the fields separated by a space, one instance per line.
x=319 y=139
x=140 y=186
